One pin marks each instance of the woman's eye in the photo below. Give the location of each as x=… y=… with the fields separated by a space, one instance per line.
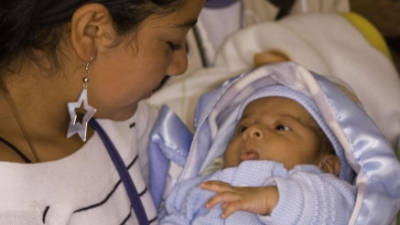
x=174 y=46
x=282 y=127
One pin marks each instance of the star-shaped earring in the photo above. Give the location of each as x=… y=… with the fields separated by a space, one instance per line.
x=76 y=126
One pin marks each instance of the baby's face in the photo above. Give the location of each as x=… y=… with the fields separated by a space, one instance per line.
x=274 y=128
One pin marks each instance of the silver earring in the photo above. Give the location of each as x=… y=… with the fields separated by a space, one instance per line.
x=79 y=120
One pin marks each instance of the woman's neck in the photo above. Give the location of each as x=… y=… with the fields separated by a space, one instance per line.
x=37 y=101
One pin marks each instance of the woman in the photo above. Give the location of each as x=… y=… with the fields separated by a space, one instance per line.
x=63 y=63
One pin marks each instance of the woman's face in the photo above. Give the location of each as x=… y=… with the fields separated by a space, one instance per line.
x=127 y=73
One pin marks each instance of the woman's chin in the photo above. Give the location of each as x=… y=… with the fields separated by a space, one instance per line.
x=120 y=115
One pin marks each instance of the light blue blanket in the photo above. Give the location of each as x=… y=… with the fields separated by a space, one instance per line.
x=365 y=149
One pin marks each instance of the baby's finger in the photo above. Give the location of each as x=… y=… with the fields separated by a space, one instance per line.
x=269 y=57
x=225 y=197
x=231 y=208
x=224 y=205
x=216 y=186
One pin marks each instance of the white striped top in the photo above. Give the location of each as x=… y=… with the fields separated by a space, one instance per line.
x=83 y=188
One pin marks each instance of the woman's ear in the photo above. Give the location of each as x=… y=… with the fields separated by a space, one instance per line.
x=330 y=164
x=91 y=29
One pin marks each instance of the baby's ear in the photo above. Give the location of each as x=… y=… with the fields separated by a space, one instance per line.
x=330 y=164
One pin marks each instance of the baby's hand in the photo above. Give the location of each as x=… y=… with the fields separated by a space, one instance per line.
x=270 y=57
x=260 y=200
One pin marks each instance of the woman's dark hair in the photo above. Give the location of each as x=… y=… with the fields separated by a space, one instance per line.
x=39 y=24
x=284 y=7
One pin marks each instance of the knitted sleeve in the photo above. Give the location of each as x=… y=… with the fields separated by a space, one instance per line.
x=308 y=198
x=186 y=202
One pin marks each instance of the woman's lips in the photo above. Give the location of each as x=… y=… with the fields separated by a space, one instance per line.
x=248 y=155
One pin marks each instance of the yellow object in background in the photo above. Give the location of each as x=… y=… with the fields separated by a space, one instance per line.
x=369 y=31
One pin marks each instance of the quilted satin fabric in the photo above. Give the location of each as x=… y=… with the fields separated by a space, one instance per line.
x=365 y=149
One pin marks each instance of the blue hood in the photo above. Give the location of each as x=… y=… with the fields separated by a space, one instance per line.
x=361 y=147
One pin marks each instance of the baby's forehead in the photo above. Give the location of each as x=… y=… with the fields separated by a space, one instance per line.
x=278 y=106
x=273 y=104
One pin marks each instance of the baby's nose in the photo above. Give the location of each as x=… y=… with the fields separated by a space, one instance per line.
x=255 y=132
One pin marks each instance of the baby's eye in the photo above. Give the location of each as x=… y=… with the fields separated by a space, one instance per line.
x=282 y=127
x=242 y=129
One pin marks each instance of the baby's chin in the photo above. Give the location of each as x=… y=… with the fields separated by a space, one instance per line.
x=232 y=164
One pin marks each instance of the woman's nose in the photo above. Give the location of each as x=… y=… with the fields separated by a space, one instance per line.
x=254 y=132
x=178 y=63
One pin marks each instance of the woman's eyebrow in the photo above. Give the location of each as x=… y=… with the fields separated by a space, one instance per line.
x=187 y=24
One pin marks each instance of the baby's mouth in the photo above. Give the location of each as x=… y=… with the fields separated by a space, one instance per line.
x=248 y=155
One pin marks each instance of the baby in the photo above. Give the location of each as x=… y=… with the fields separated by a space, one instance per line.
x=278 y=168
x=277 y=129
